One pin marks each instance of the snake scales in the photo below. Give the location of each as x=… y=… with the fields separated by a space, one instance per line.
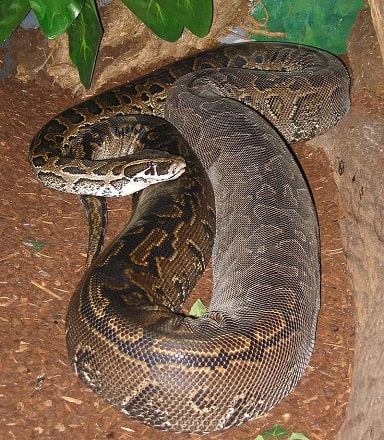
x=126 y=338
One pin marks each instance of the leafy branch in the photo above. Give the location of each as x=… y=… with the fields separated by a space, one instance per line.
x=81 y=20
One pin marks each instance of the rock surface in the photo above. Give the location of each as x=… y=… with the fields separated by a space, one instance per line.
x=355 y=149
x=118 y=58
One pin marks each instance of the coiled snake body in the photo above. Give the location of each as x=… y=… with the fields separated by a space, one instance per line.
x=125 y=336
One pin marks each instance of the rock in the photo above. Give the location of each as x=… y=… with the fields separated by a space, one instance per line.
x=356 y=151
x=377 y=14
x=364 y=54
x=128 y=48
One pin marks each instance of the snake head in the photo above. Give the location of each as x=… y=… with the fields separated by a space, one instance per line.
x=167 y=169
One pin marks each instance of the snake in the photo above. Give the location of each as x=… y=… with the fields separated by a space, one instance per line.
x=204 y=147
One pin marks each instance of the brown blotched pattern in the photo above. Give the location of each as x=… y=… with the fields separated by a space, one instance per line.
x=125 y=337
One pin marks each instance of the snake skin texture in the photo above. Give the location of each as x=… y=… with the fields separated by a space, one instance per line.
x=240 y=190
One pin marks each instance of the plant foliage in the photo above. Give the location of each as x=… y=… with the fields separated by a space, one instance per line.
x=198 y=309
x=81 y=21
x=278 y=432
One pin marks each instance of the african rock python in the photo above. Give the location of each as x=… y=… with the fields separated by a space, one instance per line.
x=125 y=337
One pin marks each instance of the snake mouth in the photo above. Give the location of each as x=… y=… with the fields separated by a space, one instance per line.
x=177 y=169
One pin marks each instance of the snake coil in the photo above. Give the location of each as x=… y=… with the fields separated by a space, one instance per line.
x=236 y=107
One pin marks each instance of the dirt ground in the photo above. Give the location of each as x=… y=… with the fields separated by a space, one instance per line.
x=42 y=252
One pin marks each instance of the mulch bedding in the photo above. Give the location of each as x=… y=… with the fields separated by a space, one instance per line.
x=42 y=252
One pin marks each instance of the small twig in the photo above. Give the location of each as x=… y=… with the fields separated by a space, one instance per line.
x=49 y=291
x=72 y=400
x=9 y=256
x=38 y=68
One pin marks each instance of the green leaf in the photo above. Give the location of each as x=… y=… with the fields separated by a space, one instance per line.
x=198 y=309
x=298 y=436
x=35 y=244
x=152 y=13
x=196 y=15
x=60 y=6
x=84 y=38
x=276 y=431
x=167 y=18
x=55 y=16
x=12 y=13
